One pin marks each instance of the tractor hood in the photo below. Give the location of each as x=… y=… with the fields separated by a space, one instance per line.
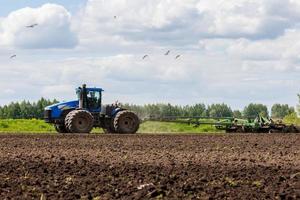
x=63 y=105
x=57 y=109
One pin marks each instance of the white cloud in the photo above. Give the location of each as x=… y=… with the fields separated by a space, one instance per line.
x=180 y=23
x=128 y=78
x=230 y=18
x=142 y=21
x=280 y=54
x=53 y=30
x=138 y=14
x=235 y=52
x=8 y=92
x=59 y=91
x=253 y=19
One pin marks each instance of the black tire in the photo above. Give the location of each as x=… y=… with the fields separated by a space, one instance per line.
x=273 y=131
x=79 y=121
x=291 y=129
x=109 y=127
x=240 y=129
x=230 y=130
x=60 y=128
x=126 y=122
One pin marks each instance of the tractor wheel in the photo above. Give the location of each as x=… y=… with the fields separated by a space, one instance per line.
x=291 y=129
x=79 y=121
x=109 y=127
x=126 y=122
x=273 y=131
x=60 y=128
x=240 y=129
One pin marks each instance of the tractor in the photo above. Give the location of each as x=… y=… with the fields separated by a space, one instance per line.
x=87 y=112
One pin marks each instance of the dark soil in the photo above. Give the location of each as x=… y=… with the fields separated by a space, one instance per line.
x=96 y=167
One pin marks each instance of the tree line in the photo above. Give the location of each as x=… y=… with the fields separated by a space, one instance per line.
x=28 y=110
x=278 y=111
x=25 y=109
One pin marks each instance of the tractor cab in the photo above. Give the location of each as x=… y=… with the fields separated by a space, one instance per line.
x=89 y=98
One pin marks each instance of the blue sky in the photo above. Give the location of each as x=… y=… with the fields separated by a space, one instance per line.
x=236 y=52
x=8 y=6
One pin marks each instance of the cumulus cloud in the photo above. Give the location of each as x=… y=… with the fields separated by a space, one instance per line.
x=280 y=54
x=185 y=22
x=235 y=52
x=138 y=21
x=128 y=78
x=53 y=30
x=138 y=14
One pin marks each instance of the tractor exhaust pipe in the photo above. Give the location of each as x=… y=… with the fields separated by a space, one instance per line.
x=83 y=97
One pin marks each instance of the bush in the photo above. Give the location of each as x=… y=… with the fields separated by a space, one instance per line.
x=292 y=119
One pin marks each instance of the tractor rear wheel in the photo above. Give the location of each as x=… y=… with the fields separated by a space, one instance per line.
x=240 y=129
x=291 y=129
x=60 y=128
x=126 y=122
x=79 y=121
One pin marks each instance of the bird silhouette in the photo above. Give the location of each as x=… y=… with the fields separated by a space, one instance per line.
x=115 y=17
x=167 y=53
x=177 y=56
x=31 y=26
x=13 y=56
x=145 y=56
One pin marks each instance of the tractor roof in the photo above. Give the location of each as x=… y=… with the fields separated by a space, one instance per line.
x=91 y=89
x=95 y=89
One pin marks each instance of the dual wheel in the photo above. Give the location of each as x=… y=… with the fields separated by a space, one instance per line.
x=81 y=121
x=125 y=122
x=76 y=121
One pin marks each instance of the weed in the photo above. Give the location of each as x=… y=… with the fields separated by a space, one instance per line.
x=231 y=182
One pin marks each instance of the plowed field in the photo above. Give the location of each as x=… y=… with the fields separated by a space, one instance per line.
x=248 y=166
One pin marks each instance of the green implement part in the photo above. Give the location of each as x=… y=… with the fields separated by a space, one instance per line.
x=257 y=124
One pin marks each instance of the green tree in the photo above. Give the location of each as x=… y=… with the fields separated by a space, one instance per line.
x=163 y=110
x=252 y=110
x=4 y=112
x=237 y=114
x=1 y=113
x=197 y=110
x=25 y=110
x=219 y=110
x=16 y=111
x=281 y=110
x=152 y=110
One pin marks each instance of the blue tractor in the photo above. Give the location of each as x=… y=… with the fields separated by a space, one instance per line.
x=82 y=115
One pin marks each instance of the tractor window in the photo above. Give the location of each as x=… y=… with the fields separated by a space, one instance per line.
x=94 y=99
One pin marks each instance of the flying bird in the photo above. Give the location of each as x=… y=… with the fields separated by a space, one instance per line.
x=145 y=56
x=167 y=53
x=177 y=56
x=31 y=26
x=13 y=56
x=115 y=17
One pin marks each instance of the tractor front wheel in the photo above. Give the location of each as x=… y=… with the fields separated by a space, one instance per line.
x=79 y=121
x=126 y=122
